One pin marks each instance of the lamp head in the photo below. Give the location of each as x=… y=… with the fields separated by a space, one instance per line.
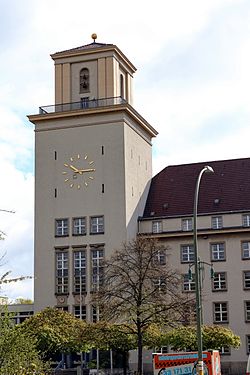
x=208 y=169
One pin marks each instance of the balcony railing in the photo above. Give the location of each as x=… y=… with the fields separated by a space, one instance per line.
x=83 y=104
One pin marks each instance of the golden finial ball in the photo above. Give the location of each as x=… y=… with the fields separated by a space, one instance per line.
x=94 y=36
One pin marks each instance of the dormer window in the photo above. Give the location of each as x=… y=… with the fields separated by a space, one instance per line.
x=84 y=80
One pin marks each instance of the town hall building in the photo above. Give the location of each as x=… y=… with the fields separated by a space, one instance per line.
x=94 y=190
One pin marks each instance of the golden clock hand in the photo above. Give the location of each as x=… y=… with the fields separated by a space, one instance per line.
x=86 y=170
x=74 y=168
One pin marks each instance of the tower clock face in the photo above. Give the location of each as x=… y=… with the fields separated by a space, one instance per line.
x=79 y=171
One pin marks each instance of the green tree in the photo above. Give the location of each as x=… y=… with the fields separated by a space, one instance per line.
x=18 y=353
x=213 y=337
x=56 y=331
x=140 y=289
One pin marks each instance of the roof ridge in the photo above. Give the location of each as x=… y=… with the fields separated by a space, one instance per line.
x=85 y=46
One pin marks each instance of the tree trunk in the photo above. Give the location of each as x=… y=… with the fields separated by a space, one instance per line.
x=139 y=344
x=124 y=362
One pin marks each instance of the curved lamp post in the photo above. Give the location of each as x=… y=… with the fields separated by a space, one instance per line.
x=200 y=367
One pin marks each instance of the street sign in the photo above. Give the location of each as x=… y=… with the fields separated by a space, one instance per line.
x=184 y=363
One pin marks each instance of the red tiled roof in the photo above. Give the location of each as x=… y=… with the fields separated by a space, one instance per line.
x=227 y=189
x=85 y=47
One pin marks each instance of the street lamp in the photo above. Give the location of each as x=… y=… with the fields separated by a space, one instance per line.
x=200 y=369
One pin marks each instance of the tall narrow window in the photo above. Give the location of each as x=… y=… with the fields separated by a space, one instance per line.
x=80 y=271
x=97 y=257
x=94 y=313
x=84 y=80
x=247 y=311
x=248 y=343
x=62 y=272
x=122 y=93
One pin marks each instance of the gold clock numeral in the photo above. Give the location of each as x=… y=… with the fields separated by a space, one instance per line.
x=85 y=183
x=91 y=162
x=65 y=164
x=91 y=178
x=85 y=157
x=71 y=185
x=78 y=156
x=78 y=186
x=66 y=179
x=71 y=159
x=64 y=172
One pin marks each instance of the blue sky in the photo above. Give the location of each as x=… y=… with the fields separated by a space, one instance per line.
x=192 y=85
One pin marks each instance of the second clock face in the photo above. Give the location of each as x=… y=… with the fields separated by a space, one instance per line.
x=79 y=171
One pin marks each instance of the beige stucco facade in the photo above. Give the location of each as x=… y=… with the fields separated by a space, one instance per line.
x=232 y=235
x=93 y=160
x=112 y=145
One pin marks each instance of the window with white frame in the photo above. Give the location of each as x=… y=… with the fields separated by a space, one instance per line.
x=247 y=311
x=218 y=251
x=187 y=224
x=79 y=259
x=216 y=222
x=160 y=283
x=157 y=226
x=246 y=279
x=97 y=258
x=220 y=312
x=248 y=343
x=245 y=247
x=187 y=253
x=80 y=312
x=160 y=257
x=97 y=225
x=79 y=226
x=188 y=283
x=95 y=314
x=246 y=220
x=61 y=227
x=219 y=281
x=62 y=272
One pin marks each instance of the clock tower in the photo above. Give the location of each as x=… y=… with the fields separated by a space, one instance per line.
x=92 y=174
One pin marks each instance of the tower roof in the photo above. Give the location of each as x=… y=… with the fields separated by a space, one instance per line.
x=226 y=190
x=92 y=48
x=85 y=47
